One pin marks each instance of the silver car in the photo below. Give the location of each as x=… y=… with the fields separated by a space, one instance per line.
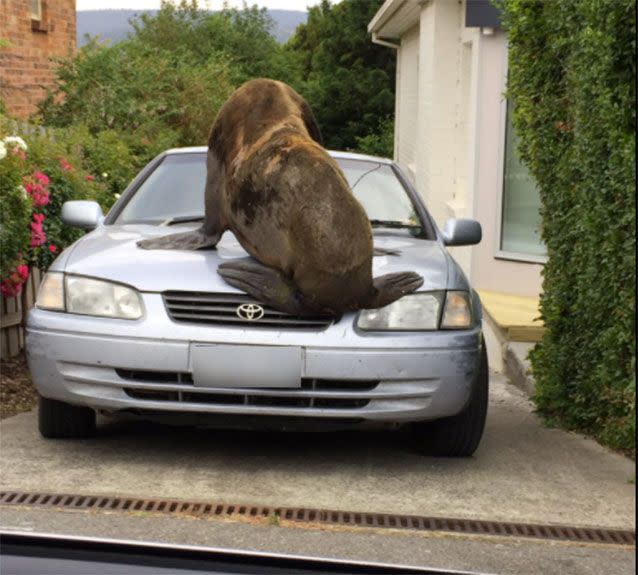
x=159 y=335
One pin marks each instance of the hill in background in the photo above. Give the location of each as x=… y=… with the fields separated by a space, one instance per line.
x=114 y=24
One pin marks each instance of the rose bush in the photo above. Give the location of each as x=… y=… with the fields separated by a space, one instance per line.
x=36 y=177
x=15 y=214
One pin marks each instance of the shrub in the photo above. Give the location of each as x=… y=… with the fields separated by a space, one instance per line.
x=15 y=214
x=572 y=77
x=379 y=143
x=36 y=178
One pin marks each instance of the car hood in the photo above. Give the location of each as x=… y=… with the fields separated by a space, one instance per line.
x=111 y=252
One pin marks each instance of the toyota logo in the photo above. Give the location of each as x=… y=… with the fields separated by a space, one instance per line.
x=250 y=311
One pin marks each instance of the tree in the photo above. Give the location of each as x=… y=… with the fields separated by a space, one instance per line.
x=347 y=80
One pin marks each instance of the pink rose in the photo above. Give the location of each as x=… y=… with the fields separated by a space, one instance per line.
x=53 y=248
x=9 y=289
x=38 y=235
x=23 y=272
x=40 y=198
x=12 y=286
x=37 y=187
x=43 y=178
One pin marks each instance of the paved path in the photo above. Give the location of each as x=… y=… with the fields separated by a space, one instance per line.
x=521 y=472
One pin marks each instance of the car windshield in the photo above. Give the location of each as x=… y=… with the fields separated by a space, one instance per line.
x=174 y=193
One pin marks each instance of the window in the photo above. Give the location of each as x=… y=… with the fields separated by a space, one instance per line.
x=36 y=9
x=520 y=217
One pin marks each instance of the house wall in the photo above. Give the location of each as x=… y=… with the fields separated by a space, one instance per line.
x=450 y=135
x=407 y=94
x=25 y=64
x=488 y=271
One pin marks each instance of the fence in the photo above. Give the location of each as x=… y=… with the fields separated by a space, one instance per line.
x=11 y=314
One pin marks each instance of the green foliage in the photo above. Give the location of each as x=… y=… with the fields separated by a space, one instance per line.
x=347 y=80
x=379 y=143
x=15 y=211
x=165 y=84
x=572 y=76
x=133 y=87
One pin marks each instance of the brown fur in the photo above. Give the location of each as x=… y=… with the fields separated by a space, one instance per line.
x=287 y=200
x=270 y=181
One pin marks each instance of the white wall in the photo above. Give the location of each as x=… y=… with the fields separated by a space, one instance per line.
x=449 y=134
x=489 y=272
x=407 y=95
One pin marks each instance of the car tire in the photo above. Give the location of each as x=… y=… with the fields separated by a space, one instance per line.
x=59 y=420
x=459 y=435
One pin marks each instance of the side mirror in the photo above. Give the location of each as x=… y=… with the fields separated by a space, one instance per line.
x=462 y=232
x=82 y=214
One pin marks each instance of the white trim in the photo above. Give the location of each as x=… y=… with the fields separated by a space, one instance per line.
x=501 y=155
x=36 y=15
x=516 y=257
x=397 y=100
x=473 y=149
x=380 y=42
x=384 y=13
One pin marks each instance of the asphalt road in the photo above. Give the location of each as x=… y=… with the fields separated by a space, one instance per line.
x=505 y=556
x=521 y=472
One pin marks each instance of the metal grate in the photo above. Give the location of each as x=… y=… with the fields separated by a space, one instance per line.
x=209 y=509
x=221 y=309
x=160 y=377
x=314 y=393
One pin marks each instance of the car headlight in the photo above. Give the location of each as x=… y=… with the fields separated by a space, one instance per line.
x=87 y=296
x=51 y=292
x=420 y=312
x=457 y=313
x=410 y=313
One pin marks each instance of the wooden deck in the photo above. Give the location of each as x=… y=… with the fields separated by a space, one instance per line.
x=516 y=316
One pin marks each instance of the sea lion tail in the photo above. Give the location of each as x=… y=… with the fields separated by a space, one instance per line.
x=194 y=240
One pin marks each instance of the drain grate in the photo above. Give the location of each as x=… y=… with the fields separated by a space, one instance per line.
x=322 y=516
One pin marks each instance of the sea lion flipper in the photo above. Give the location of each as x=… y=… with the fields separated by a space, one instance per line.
x=267 y=285
x=194 y=240
x=391 y=287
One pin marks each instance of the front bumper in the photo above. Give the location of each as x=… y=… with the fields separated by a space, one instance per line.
x=145 y=367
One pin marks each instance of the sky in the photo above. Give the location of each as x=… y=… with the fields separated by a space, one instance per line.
x=212 y=4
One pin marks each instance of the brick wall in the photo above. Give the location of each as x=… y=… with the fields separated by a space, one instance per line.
x=25 y=65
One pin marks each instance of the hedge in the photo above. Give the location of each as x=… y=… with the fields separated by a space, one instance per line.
x=572 y=79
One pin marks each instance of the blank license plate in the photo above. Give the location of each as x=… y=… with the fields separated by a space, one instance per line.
x=221 y=365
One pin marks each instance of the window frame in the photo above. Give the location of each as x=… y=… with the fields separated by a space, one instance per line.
x=35 y=15
x=499 y=253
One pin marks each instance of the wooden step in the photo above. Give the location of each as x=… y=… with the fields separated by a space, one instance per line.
x=516 y=316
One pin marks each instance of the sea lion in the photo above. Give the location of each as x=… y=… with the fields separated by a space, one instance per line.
x=270 y=182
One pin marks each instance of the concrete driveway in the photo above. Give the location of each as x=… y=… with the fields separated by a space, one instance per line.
x=521 y=472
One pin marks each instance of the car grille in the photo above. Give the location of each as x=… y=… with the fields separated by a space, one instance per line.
x=256 y=397
x=221 y=309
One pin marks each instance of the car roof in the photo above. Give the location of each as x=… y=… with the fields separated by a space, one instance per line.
x=334 y=153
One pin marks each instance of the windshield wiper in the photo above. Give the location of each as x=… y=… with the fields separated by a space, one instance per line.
x=394 y=224
x=181 y=220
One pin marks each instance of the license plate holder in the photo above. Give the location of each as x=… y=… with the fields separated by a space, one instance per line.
x=256 y=366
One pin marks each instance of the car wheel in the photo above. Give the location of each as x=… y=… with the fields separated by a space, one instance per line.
x=459 y=435
x=58 y=420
